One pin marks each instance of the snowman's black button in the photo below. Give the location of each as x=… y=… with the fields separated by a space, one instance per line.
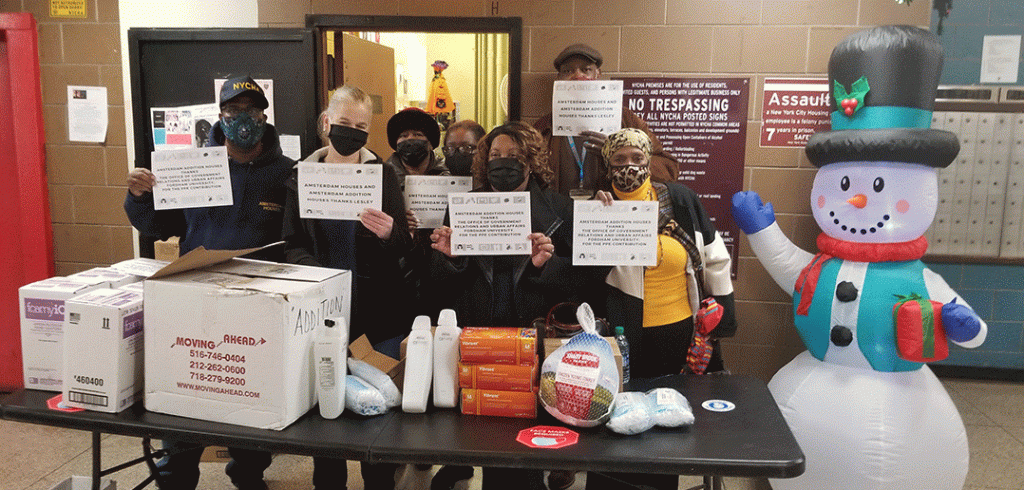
x=841 y=336
x=846 y=291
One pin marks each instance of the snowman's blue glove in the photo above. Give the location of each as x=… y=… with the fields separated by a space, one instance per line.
x=749 y=213
x=960 y=322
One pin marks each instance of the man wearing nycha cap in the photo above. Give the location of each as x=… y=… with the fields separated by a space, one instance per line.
x=576 y=161
x=258 y=173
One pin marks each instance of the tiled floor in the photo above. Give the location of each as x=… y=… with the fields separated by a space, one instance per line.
x=36 y=457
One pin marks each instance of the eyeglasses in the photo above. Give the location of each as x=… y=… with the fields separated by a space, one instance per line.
x=235 y=110
x=466 y=149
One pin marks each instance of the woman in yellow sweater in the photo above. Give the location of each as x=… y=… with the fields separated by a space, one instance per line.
x=656 y=304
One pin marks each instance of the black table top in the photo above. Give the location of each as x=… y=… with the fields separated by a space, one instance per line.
x=751 y=440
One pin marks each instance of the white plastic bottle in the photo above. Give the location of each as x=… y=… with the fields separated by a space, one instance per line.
x=446 y=360
x=419 y=366
x=330 y=353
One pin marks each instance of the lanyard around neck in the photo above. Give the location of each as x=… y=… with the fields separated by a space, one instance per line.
x=580 y=157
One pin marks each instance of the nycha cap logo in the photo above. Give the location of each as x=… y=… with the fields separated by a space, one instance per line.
x=247 y=86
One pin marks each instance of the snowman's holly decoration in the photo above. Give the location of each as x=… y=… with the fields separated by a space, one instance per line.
x=867 y=413
x=854 y=99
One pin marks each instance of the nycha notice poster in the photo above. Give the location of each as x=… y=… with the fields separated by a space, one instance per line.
x=702 y=123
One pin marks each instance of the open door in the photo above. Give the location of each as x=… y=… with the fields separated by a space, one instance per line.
x=371 y=67
x=27 y=242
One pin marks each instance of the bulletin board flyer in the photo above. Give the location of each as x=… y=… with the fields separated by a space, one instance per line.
x=338 y=190
x=490 y=223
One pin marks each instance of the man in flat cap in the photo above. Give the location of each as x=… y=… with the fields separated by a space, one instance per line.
x=576 y=161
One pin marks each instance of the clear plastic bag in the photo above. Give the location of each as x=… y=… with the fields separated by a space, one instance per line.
x=669 y=408
x=378 y=379
x=362 y=398
x=631 y=414
x=579 y=380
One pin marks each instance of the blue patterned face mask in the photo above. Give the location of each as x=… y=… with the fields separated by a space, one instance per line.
x=243 y=130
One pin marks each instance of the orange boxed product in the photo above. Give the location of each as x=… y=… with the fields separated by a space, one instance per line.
x=498 y=345
x=498 y=377
x=519 y=404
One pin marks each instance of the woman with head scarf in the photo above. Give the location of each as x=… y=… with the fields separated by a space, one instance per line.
x=657 y=304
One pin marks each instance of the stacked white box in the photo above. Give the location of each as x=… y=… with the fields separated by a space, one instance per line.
x=42 y=306
x=107 y=277
x=103 y=341
x=233 y=343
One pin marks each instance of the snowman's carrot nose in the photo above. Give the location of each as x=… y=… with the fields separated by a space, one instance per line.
x=860 y=200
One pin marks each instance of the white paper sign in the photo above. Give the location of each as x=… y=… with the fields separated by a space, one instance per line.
x=87 y=114
x=291 y=146
x=268 y=91
x=586 y=105
x=191 y=178
x=176 y=128
x=338 y=190
x=427 y=196
x=625 y=233
x=489 y=223
x=1000 y=59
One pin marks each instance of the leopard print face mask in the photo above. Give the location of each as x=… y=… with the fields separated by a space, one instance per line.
x=630 y=177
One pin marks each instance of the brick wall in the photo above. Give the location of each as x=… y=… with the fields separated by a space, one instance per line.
x=86 y=180
x=687 y=38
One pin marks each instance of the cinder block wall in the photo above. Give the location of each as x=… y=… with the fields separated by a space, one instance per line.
x=86 y=180
x=685 y=38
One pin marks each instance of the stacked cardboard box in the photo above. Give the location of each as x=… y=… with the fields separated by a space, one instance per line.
x=42 y=329
x=103 y=350
x=498 y=371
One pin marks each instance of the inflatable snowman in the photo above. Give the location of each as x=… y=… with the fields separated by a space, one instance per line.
x=866 y=410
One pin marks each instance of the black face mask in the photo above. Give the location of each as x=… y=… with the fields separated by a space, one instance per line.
x=460 y=164
x=505 y=174
x=412 y=152
x=346 y=140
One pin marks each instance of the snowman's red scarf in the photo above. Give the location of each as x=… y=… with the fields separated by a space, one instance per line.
x=861 y=252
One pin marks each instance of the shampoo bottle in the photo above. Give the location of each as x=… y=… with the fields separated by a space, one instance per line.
x=446 y=360
x=330 y=353
x=419 y=366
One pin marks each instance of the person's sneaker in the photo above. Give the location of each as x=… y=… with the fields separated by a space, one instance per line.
x=414 y=478
x=244 y=482
x=561 y=479
x=452 y=478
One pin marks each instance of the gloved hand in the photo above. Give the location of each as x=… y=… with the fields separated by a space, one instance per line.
x=749 y=213
x=960 y=322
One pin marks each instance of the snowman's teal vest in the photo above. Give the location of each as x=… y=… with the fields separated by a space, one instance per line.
x=875 y=332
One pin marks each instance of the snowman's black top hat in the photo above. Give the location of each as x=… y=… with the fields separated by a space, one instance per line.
x=883 y=84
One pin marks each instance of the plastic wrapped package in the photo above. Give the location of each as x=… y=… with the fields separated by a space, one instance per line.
x=362 y=398
x=631 y=413
x=378 y=379
x=669 y=408
x=580 y=379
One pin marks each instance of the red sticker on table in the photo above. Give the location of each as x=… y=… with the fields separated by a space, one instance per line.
x=57 y=403
x=547 y=437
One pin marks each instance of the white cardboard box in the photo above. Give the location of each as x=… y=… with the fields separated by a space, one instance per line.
x=233 y=342
x=103 y=350
x=42 y=329
x=107 y=277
